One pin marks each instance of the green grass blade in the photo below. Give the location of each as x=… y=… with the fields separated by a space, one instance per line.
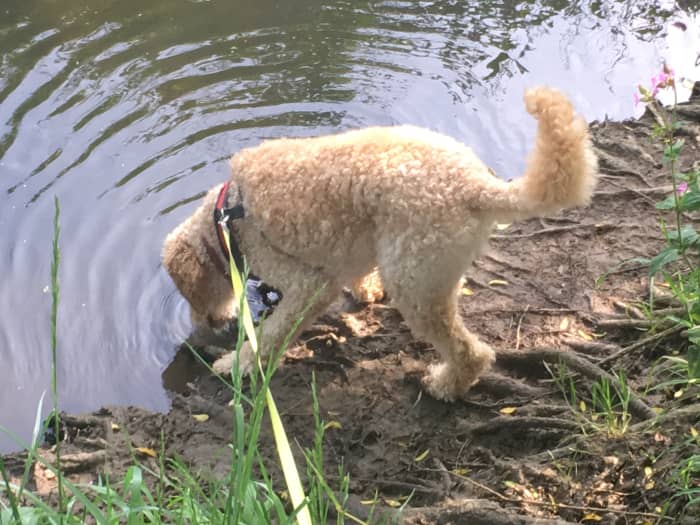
x=10 y=493
x=55 y=295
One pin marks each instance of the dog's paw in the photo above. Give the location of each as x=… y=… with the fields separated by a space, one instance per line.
x=246 y=360
x=440 y=383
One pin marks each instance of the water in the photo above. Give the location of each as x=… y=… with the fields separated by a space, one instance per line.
x=127 y=111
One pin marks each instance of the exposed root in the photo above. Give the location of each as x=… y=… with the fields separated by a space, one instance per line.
x=591 y=347
x=641 y=344
x=517 y=425
x=78 y=462
x=476 y=511
x=576 y=363
x=630 y=310
x=541 y=503
x=501 y=386
x=687 y=415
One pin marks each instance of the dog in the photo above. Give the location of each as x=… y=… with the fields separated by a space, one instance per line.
x=322 y=213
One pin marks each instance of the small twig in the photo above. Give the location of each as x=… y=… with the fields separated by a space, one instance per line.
x=397 y=484
x=641 y=344
x=444 y=476
x=613 y=173
x=619 y=271
x=560 y=229
x=642 y=192
x=517 y=330
x=581 y=508
x=507 y=264
x=629 y=323
x=539 y=311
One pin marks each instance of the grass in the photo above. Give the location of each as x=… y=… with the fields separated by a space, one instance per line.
x=173 y=493
x=602 y=409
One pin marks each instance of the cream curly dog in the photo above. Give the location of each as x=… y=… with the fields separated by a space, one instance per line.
x=322 y=213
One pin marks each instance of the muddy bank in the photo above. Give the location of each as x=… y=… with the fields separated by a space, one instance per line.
x=512 y=450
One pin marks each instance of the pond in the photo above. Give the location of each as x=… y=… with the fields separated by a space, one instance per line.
x=126 y=111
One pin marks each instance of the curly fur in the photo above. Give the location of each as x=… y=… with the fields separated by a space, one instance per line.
x=324 y=212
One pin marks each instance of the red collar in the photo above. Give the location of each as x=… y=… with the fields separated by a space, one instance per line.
x=224 y=216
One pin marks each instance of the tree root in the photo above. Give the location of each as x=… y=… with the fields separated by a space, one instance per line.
x=682 y=416
x=473 y=511
x=78 y=462
x=501 y=386
x=686 y=415
x=629 y=310
x=576 y=363
x=516 y=425
x=591 y=347
x=641 y=344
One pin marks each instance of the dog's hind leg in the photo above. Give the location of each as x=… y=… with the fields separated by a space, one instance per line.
x=426 y=292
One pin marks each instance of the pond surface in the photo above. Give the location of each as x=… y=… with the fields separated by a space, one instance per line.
x=127 y=111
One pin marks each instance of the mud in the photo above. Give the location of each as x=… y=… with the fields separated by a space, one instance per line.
x=512 y=450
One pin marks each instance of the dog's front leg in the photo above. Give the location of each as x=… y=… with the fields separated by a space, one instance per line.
x=246 y=361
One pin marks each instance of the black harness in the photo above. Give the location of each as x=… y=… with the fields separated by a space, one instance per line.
x=261 y=297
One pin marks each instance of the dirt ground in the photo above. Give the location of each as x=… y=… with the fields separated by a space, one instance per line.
x=512 y=451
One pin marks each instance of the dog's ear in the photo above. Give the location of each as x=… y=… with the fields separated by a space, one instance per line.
x=186 y=270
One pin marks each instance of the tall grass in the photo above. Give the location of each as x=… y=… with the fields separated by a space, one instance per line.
x=55 y=295
x=171 y=492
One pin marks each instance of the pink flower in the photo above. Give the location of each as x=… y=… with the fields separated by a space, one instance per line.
x=682 y=188
x=635 y=97
x=662 y=80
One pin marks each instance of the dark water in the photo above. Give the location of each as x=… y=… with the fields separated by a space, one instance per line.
x=127 y=111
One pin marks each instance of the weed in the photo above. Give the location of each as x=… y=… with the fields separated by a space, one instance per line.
x=605 y=409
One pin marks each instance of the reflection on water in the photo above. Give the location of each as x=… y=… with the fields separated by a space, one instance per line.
x=127 y=110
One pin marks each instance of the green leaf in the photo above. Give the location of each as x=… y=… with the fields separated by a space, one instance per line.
x=672 y=151
x=668 y=203
x=688 y=236
x=690 y=201
x=694 y=362
x=28 y=515
x=694 y=335
x=667 y=256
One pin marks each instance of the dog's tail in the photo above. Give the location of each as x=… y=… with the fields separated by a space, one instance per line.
x=562 y=169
